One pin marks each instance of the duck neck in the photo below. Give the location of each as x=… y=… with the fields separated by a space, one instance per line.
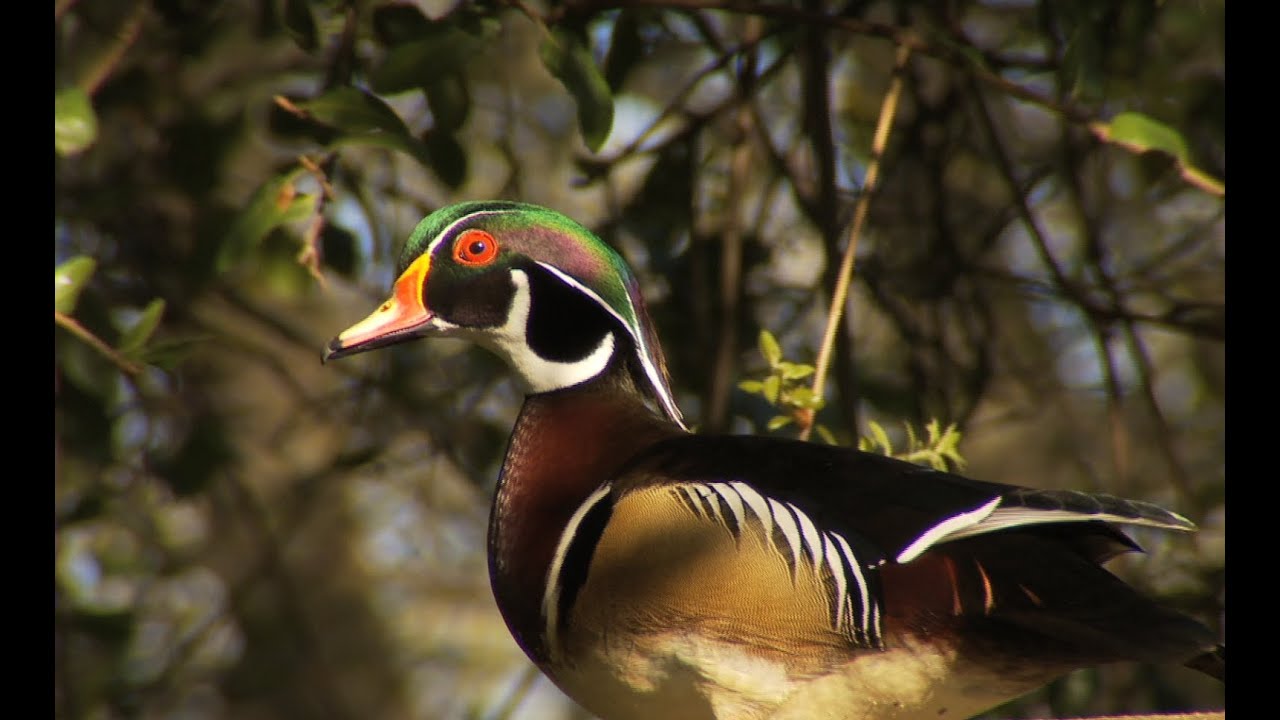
x=565 y=445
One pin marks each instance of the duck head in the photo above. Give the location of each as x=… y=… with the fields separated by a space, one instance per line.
x=528 y=283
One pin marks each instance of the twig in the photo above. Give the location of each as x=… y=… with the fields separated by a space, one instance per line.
x=887 y=112
x=731 y=242
x=125 y=37
x=311 y=253
x=71 y=324
x=910 y=39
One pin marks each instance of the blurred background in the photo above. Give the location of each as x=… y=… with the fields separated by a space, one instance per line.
x=241 y=532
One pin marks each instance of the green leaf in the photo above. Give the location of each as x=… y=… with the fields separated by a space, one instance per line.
x=1141 y=133
x=751 y=386
x=69 y=280
x=827 y=436
x=625 y=49
x=795 y=371
x=352 y=110
x=137 y=336
x=769 y=348
x=879 y=437
x=804 y=397
x=448 y=159
x=75 y=125
x=570 y=61
x=772 y=386
x=364 y=119
x=411 y=65
x=275 y=203
x=778 y=421
x=300 y=24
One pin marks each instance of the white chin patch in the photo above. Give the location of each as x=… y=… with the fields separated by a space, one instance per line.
x=536 y=373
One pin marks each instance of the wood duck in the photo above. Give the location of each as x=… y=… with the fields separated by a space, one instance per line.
x=655 y=573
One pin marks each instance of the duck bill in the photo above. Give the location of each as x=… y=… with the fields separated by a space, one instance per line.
x=402 y=318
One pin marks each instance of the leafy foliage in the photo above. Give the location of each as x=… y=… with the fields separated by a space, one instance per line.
x=242 y=532
x=939 y=449
x=783 y=387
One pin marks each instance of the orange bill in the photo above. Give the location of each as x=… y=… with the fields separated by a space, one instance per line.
x=402 y=317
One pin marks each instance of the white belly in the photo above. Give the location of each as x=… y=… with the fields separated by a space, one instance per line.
x=674 y=677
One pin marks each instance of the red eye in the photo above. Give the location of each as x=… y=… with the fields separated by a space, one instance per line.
x=475 y=247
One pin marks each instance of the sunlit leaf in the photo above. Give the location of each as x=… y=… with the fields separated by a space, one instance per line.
x=137 y=336
x=75 y=125
x=570 y=61
x=778 y=421
x=795 y=371
x=769 y=348
x=1140 y=133
x=804 y=397
x=751 y=386
x=879 y=437
x=69 y=280
x=772 y=386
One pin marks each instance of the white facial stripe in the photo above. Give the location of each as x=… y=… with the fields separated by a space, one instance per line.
x=655 y=377
x=448 y=230
x=947 y=529
x=537 y=373
x=551 y=596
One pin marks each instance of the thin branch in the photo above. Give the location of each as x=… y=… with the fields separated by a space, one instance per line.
x=311 y=254
x=731 y=243
x=903 y=37
x=126 y=35
x=958 y=51
x=887 y=112
x=75 y=328
x=1080 y=299
x=677 y=100
x=342 y=65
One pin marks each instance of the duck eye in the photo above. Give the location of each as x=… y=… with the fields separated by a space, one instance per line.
x=475 y=248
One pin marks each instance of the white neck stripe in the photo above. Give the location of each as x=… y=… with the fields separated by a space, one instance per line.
x=551 y=595
x=655 y=377
x=538 y=374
